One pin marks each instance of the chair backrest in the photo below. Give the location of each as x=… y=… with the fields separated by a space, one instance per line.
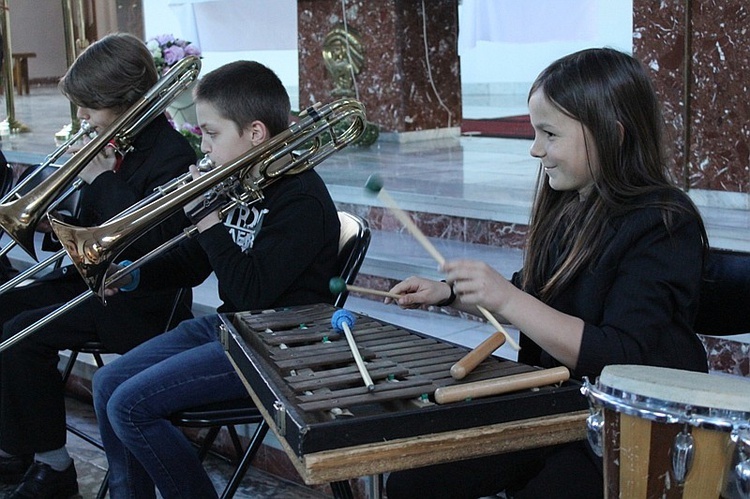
x=354 y=240
x=6 y=176
x=724 y=307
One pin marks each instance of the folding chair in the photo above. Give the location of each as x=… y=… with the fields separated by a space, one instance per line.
x=724 y=307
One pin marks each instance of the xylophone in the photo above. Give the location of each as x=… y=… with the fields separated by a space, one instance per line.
x=301 y=373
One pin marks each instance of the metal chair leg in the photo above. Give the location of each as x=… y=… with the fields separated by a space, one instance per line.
x=342 y=490
x=247 y=457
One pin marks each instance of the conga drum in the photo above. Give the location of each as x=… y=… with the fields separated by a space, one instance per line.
x=667 y=433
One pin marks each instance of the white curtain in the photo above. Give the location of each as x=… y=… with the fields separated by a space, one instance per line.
x=238 y=25
x=526 y=21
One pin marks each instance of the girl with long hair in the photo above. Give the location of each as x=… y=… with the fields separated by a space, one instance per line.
x=611 y=270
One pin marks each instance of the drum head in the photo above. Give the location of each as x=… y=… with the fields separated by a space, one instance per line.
x=685 y=388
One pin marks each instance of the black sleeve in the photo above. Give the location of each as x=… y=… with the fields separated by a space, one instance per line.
x=110 y=194
x=184 y=265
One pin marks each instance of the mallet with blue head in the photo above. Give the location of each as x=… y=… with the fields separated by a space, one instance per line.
x=343 y=320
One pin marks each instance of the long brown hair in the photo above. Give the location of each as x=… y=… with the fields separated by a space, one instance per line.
x=112 y=73
x=604 y=90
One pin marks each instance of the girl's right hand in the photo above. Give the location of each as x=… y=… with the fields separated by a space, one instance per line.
x=418 y=291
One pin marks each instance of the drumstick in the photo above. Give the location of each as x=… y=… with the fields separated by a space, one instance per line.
x=375 y=184
x=344 y=320
x=338 y=286
x=468 y=362
x=497 y=386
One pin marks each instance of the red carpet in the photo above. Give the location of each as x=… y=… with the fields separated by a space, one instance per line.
x=511 y=127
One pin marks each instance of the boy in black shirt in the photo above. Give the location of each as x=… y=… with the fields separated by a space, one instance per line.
x=103 y=82
x=280 y=251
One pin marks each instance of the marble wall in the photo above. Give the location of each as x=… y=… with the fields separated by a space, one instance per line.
x=404 y=85
x=698 y=53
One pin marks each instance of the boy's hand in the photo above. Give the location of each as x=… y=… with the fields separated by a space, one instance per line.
x=105 y=161
x=201 y=214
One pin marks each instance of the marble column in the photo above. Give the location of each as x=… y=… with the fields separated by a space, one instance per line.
x=399 y=57
x=700 y=62
x=698 y=53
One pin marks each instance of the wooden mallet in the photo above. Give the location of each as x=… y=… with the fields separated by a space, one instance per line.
x=338 y=286
x=505 y=384
x=375 y=184
x=468 y=362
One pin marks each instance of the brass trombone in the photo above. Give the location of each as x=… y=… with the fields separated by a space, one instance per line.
x=20 y=217
x=299 y=148
x=60 y=254
x=84 y=130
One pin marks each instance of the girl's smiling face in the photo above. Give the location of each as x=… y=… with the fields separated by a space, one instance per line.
x=560 y=143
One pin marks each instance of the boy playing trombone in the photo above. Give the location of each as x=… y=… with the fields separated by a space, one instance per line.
x=104 y=81
x=280 y=251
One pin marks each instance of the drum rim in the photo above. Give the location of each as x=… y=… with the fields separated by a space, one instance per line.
x=664 y=411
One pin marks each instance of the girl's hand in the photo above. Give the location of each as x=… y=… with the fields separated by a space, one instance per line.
x=417 y=291
x=476 y=283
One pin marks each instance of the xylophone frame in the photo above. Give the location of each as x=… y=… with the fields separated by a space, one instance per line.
x=326 y=451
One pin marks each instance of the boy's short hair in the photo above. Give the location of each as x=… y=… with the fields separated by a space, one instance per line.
x=112 y=73
x=246 y=91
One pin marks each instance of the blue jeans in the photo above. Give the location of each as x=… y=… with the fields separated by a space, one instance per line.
x=134 y=396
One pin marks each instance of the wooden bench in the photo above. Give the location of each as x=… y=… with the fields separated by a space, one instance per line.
x=21 y=71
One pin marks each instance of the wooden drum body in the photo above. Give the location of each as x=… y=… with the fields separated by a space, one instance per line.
x=667 y=433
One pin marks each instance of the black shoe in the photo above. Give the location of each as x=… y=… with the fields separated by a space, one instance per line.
x=42 y=482
x=13 y=468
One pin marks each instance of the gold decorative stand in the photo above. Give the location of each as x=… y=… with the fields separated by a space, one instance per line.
x=10 y=124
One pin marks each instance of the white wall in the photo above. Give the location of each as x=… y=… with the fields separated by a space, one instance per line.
x=260 y=30
x=37 y=26
x=513 y=66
